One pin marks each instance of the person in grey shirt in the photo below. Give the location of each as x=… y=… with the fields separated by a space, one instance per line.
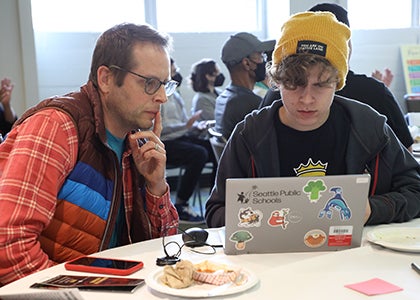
x=243 y=55
x=183 y=150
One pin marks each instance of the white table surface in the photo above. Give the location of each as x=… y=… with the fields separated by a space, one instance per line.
x=316 y=275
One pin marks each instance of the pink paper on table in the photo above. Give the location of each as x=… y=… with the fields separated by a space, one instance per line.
x=374 y=286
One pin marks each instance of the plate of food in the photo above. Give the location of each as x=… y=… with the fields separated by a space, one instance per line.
x=201 y=280
x=406 y=239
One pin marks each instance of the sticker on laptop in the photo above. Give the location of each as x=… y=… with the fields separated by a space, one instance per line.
x=249 y=217
x=278 y=218
x=314 y=188
x=240 y=238
x=243 y=197
x=295 y=217
x=340 y=235
x=315 y=238
x=336 y=203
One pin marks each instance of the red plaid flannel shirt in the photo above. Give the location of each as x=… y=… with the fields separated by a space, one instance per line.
x=35 y=159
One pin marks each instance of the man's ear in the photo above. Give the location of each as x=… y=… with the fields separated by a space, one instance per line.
x=105 y=78
x=245 y=63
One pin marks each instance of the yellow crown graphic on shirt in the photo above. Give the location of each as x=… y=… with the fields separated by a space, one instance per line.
x=311 y=169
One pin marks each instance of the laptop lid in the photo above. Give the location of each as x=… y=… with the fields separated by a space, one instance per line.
x=295 y=214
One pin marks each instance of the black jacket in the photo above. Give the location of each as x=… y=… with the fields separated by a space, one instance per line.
x=373 y=93
x=252 y=151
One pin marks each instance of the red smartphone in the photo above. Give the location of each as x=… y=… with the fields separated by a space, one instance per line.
x=103 y=265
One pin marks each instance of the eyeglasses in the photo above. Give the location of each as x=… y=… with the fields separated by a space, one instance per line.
x=151 y=84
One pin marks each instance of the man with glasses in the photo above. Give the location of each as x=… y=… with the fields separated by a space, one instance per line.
x=86 y=172
x=243 y=55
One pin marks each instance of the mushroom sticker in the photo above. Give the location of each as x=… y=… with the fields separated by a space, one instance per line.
x=240 y=238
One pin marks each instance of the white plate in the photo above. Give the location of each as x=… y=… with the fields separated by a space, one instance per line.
x=198 y=290
x=405 y=239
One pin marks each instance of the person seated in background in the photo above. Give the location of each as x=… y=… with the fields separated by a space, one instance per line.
x=206 y=79
x=243 y=56
x=183 y=150
x=363 y=88
x=312 y=125
x=86 y=172
x=385 y=77
x=7 y=114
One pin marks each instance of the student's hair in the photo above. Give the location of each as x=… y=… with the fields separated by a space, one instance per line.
x=199 y=71
x=292 y=71
x=115 y=46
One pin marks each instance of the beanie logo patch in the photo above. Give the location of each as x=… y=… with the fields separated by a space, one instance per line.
x=313 y=47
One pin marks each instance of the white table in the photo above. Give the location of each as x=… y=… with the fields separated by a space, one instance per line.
x=317 y=275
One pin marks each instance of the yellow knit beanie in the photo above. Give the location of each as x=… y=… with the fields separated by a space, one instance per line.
x=318 y=33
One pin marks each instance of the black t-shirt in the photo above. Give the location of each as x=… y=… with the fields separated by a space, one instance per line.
x=316 y=152
x=371 y=92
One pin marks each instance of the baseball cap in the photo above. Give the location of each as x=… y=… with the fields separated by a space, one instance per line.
x=241 y=45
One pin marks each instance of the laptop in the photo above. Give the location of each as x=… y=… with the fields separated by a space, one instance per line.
x=295 y=214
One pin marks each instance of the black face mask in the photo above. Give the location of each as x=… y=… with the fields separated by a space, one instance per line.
x=219 y=80
x=177 y=77
x=260 y=72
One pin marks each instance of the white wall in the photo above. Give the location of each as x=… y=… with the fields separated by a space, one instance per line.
x=17 y=52
x=64 y=60
x=380 y=49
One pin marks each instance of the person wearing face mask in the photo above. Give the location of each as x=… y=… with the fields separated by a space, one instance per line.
x=206 y=79
x=243 y=55
x=177 y=76
x=183 y=149
x=262 y=87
